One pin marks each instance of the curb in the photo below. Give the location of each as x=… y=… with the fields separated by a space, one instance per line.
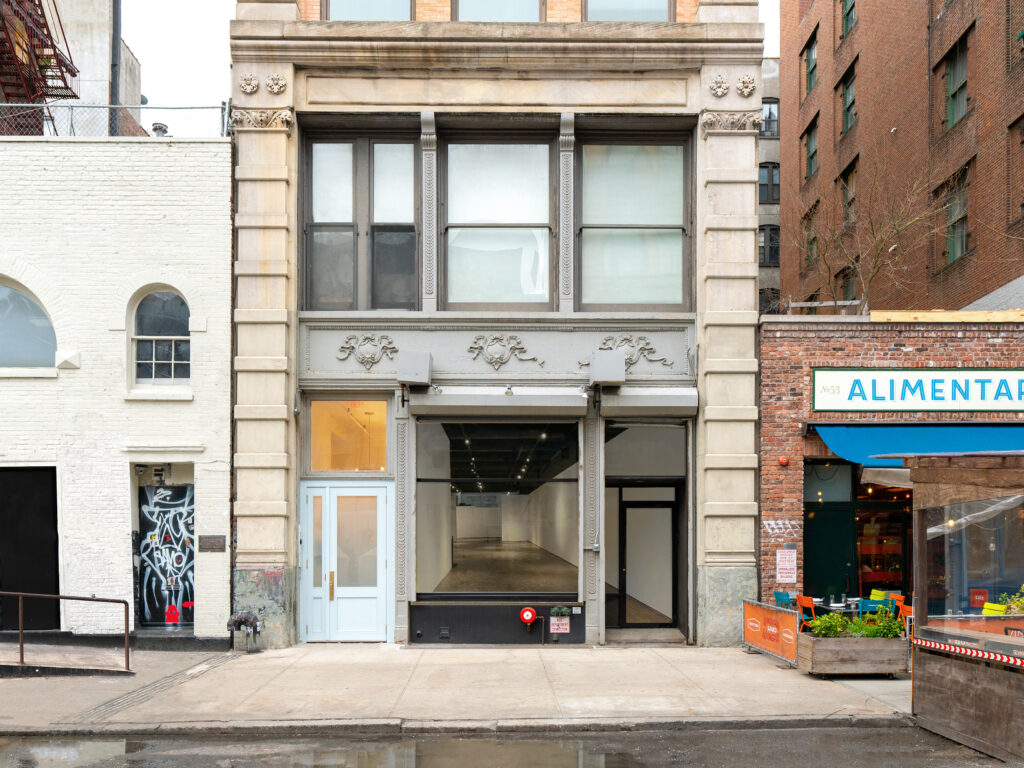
x=397 y=727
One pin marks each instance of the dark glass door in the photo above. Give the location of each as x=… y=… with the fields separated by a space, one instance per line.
x=28 y=545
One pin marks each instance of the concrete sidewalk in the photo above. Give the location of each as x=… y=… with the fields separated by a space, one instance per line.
x=334 y=689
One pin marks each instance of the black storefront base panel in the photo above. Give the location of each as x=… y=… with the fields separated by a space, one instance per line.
x=497 y=623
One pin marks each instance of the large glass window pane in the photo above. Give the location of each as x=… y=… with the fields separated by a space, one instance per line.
x=331 y=269
x=162 y=313
x=632 y=266
x=632 y=185
x=498 y=265
x=349 y=435
x=627 y=10
x=393 y=183
x=357 y=541
x=370 y=10
x=499 y=10
x=498 y=183
x=27 y=338
x=394 y=268
x=332 y=182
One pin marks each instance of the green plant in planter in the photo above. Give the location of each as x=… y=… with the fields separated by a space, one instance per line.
x=560 y=610
x=1014 y=603
x=879 y=624
x=830 y=625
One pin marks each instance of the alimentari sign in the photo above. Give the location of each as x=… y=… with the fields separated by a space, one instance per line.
x=918 y=389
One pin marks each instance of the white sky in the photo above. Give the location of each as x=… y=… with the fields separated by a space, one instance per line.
x=183 y=49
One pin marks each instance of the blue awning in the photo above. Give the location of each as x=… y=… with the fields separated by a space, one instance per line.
x=859 y=443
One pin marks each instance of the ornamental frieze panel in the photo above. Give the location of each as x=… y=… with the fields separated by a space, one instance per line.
x=636 y=347
x=729 y=121
x=498 y=348
x=279 y=119
x=368 y=349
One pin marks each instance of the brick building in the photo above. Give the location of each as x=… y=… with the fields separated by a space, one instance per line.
x=115 y=342
x=496 y=302
x=837 y=392
x=886 y=105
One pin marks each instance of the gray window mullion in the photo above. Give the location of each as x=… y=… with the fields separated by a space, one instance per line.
x=361 y=212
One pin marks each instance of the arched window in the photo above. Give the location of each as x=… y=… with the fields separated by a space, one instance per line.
x=27 y=339
x=161 y=339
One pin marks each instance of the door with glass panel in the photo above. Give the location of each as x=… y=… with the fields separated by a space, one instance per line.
x=343 y=582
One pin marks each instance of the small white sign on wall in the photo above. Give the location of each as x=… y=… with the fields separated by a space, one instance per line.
x=785 y=566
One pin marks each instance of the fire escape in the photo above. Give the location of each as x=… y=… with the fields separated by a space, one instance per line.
x=35 y=66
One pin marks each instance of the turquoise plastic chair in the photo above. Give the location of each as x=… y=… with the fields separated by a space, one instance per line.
x=783 y=600
x=871 y=606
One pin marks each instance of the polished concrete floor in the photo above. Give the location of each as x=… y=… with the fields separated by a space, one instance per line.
x=493 y=565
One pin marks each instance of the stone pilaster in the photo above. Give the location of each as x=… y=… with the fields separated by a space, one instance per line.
x=566 y=215
x=592 y=513
x=405 y=519
x=428 y=146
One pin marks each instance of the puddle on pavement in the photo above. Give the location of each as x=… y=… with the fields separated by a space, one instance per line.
x=426 y=752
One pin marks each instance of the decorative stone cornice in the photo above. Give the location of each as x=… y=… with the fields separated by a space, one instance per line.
x=279 y=119
x=715 y=122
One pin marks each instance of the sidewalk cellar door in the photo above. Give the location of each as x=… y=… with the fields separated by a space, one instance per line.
x=343 y=551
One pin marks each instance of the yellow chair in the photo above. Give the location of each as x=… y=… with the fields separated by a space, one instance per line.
x=879 y=594
x=993 y=609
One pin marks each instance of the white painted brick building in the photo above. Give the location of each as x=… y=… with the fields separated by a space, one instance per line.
x=88 y=228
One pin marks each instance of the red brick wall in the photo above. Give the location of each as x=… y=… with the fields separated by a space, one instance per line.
x=790 y=350
x=900 y=135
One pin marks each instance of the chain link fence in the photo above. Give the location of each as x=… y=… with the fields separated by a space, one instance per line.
x=77 y=119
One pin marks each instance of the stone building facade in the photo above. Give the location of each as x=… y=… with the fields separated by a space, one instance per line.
x=115 y=294
x=561 y=220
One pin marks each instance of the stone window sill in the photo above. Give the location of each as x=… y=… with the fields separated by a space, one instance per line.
x=28 y=373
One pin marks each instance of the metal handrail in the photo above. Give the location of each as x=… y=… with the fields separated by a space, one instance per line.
x=21 y=618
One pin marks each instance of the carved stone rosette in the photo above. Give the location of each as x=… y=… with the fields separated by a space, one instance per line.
x=263 y=118
x=719 y=86
x=276 y=84
x=498 y=348
x=729 y=121
x=640 y=348
x=249 y=83
x=746 y=85
x=368 y=349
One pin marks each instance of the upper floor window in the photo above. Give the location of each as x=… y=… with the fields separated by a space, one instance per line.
x=162 y=354
x=490 y=10
x=848 y=283
x=849 y=15
x=811 y=149
x=631 y=235
x=849 y=100
x=810 y=56
x=957 y=233
x=27 y=339
x=849 y=185
x=361 y=245
x=370 y=10
x=628 y=10
x=498 y=228
x=956 y=83
x=768 y=183
x=768 y=246
x=770 y=118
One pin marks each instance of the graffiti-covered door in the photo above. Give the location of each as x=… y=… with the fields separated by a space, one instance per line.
x=167 y=554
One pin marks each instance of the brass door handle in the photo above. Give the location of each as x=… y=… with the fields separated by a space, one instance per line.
x=332 y=585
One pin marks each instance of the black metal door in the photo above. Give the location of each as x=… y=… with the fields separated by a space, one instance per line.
x=167 y=555
x=28 y=545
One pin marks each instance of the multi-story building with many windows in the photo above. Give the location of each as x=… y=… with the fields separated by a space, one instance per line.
x=496 y=301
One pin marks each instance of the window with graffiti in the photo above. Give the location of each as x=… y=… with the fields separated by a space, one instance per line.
x=167 y=554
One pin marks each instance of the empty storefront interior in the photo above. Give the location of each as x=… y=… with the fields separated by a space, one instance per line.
x=498 y=527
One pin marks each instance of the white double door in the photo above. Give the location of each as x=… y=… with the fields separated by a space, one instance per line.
x=344 y=543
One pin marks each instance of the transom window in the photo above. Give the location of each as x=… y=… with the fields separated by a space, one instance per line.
x=498 y=232
x=631 y=235
x=161 y=340
x=769 y=118
x=27 y=339
x=768 y=183
x=361 y=245
x=628 y=10
x=370 y=10
x=956 y=83
x=492 y=10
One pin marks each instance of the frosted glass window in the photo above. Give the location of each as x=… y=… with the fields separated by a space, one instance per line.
x=331 y=269
x=627 y=10
x=393 y=184
x=332 y=182
x=499 y=10
x=370 y=10
x=498 y=265
x=498 y=183
x=632 y=185
x=27 y=339
x=357 y=541
x=349 y=435
x=632 y=266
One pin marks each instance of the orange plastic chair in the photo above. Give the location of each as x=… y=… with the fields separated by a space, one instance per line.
x=803 y=601
x=907 y=614
x=898 y=600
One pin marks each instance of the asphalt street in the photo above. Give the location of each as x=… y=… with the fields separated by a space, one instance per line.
x=902 y=747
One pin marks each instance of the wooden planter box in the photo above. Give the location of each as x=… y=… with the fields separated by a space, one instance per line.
x=851 y=655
